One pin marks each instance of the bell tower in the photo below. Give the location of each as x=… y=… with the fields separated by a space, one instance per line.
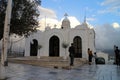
x=65 y=22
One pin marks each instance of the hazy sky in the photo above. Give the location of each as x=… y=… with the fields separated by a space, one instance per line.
x=97 y=11
x=103 y=15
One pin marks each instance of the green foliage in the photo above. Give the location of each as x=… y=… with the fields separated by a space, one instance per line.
x=65 y=45
x=2 y=16
x=24 y=17
x=39 y=46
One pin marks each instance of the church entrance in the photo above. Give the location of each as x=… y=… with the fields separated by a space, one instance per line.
x=54 y=46
x=34 y=48
x=78 y=47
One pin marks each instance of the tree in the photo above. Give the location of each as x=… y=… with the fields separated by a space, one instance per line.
x=39 y=47
x=65 y=45
x=2 y=16
x=24 y=18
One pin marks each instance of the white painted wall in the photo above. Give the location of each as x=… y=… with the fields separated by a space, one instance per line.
x=64 y=35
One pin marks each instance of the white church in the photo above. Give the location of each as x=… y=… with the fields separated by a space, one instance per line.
x=55 y=42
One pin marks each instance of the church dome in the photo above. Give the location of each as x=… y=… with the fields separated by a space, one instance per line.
x=47 y=27
x=65 y=22
x=82 y=26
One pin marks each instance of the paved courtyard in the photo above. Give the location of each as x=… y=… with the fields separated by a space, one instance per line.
x=86 y=72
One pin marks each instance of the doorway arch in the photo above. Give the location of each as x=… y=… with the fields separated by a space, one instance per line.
x=54 y=46
x=34 y=48
x=77 y=41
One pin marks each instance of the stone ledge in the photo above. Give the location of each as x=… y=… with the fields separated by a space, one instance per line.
x=44 y=62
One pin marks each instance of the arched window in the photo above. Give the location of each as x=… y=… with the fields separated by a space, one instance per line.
x=78 y=46
x=34 y=48
x=54 y=46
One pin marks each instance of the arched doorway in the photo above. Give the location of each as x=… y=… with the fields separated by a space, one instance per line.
x=54 y=46
x=34 y=48
x=78 y=46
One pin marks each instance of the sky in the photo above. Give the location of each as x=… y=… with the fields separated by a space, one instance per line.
x=103 y=15
x=96 y=11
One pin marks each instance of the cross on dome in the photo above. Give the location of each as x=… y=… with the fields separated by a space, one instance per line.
x=66 y=15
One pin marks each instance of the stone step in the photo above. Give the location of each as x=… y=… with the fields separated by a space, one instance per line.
x=47 y=61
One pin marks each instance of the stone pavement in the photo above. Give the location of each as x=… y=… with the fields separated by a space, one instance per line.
x=86 y=72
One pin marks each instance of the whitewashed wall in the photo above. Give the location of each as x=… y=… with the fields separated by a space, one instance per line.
x=64 y=35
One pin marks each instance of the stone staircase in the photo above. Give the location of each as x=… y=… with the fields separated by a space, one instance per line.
x=55 y=62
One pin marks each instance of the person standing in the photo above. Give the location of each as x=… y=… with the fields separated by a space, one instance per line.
x=115 y=62
x=90 y=55
x=117 y=56
x=71 y=54
x=95 y=56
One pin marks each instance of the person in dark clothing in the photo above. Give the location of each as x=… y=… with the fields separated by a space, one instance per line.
x=117 y=55
x=95 y=56
x=71 y=54
x=90 y=55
